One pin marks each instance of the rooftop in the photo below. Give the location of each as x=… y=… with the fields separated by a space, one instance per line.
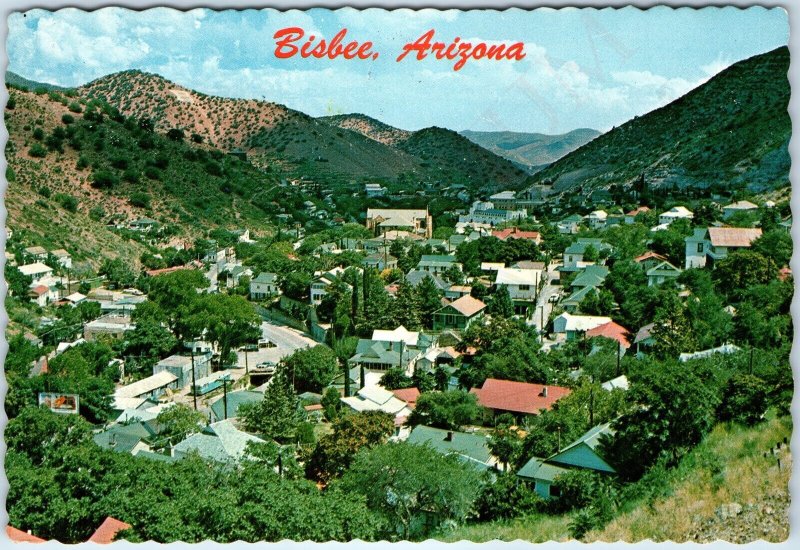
x=519 y=397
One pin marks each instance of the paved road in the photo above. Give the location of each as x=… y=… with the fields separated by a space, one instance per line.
x=286 y=339
x=544 y=297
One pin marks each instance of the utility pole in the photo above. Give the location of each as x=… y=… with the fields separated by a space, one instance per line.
x=225 y=396
x=194 y=382
x=619 y=354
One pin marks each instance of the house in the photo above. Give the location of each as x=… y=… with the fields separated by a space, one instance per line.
x=437 y=263
x=380 y=220
x=36 y=271
x=145 y=225
x=715 y=243
x=649 y=260
x=374 y=190
x=63 y=258
x=518 y=398
x=108 y=531
x=618 y=383
x=380 y=261
x=152 y=386
x=319 y=286
x=516 y=233
x=376 y=398
x=454 y=292
x=264 y=286
x=470 y=448
x=112 y=325
x=74 y=299
x=126 y=438
x=409 y=395
x=644 y=338
x=574 y=253
x=596 y=219
x=585 y=453
x=574 y=326
x=459 y=314
x=17 y=535
x=739 y=206
x=590 y=276
x=181 y=367
x=630 y=217
x=388 y=349
x=224 y=408
x=34 y=254
x=612 y=331
x=489 y=267
x=39 y=295
x=662 y=272
x=570 y=224
x=675 y=213
x=242 y=236
x=522 y=285
x=219 y=442
x=725 y=349
x=572 y=303
x=415 y=277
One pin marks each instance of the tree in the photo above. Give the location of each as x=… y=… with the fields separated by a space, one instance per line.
x=775 y=245
x=501 y=304
x=84 y=370
x=278 y=415
x=331 y=404
x=175 y=134
x=18 y=283
x=177 y=423
x=227 y=321
x=406 y=310
x=741 y=269
x=429 y=299
x=744 y=400
x=312 y=369
x=670 y=409
x=406 y=482
x=396 y=379
x=334 y=452
x=505 y=444
x=448 y=410
x=118 y=273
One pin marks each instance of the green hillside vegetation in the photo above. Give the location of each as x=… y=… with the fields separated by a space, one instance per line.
x=451 y=158
x=13 y=79
x=681 y=504
x=732 y=131
x=531 y=151
x=92 y=166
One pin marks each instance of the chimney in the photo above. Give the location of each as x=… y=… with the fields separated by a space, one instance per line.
x=544 y=391
x=449 y=436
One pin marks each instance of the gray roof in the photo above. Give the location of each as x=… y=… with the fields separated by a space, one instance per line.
x=537 y=468
x=221 y=442
x=472 y=446
x=122 y=438
x=267 y=278
x=235 y=400
x=416 y=276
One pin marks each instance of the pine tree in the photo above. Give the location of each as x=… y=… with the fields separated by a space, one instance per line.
x=407 y=308
x=501 y=304
x=429 y=299
x=278 y=415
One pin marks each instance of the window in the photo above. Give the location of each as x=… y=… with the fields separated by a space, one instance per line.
x=699 y=248
x=524 y=287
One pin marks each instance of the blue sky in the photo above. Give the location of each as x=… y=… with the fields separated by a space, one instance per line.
x=583 y=67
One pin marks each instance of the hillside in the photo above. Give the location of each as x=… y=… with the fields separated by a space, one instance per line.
x=368 y=126
x=328 y=150
x=18 y=81
x=723 y=489
x=530 y=150
x=82 y=167
x=733 y=130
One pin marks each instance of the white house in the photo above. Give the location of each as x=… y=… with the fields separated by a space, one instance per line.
x=675 y=213
x=596 y=219
x=63 y=258
x=374 y=190
x=715 y=243
x=573 y=325
x=319 y=286
x=263 y=286
x=522 y=284
x=36 y=271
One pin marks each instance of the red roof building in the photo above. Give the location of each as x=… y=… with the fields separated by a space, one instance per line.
x=409 y=395
x=650 y=255
x=108 y=530
x=518 y=397
x=17 y=535
x=612 y=331
x=515 y=233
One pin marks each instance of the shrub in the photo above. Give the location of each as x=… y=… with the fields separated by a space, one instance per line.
x=82 y=163
x=140 y=199
x=44 y=191
x=130 y=175
x=96 y=213
x=151 y=172
x=580 y=488
x=67 y=202
x=175 y=134
x=38 y=134
x=67 y=118
x=744 y=400
x=37 y=150
x=103 y=179
x=119 y=162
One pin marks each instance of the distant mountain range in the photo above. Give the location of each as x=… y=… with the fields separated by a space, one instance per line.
x=733 y=130
x=531 y=151
x=14 y=79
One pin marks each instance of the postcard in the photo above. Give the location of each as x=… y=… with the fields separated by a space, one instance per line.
x=339 y=274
